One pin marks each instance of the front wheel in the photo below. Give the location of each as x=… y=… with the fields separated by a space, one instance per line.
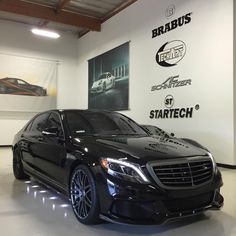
x=18 y=169
x=83 y=196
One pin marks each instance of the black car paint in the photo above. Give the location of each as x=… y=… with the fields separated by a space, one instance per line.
x=52 y=159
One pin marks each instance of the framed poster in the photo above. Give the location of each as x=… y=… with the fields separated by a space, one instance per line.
x=27 y=84
x=109 y=80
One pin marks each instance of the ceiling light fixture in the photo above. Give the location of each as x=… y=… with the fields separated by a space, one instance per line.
x=45 y=33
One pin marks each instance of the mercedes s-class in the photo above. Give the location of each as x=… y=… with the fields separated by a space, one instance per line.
x=113 y=169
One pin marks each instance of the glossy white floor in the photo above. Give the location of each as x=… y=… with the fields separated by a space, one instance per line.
x=31 y=209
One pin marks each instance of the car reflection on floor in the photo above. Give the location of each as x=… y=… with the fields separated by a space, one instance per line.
x=48 y=198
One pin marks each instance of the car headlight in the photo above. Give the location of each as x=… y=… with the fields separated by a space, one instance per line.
x=124 y=170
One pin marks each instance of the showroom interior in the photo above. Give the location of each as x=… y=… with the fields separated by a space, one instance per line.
x=168 y=63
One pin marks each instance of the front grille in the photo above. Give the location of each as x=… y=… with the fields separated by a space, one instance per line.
x=182 y=174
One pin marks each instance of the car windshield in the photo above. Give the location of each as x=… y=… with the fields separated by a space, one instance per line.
x=101 y=123
x=21 y=81
x=102 y=76
x=155 y=130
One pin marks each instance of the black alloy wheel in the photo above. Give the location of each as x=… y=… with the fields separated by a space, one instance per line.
x=83 y=196
x=18 y=169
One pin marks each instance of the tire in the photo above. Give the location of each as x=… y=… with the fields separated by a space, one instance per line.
x=83 y=195
x=18 y=169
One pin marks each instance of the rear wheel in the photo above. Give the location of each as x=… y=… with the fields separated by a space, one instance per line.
x=18 y=169
x=83 y=196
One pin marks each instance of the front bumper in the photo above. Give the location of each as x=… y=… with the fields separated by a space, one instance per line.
x=96 y=90
x=146 y=205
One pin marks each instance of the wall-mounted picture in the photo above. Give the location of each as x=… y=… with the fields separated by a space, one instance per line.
x=109 y=80
x=17 y=86
x=27 y=84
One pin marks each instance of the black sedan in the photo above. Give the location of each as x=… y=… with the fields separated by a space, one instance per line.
x=112 y=169
x=16 y=86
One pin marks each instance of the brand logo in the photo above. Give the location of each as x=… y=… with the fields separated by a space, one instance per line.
x=179 y=22
x=172 y=82
x=170 y=11
x=169 y=112
x=171 y=53
x=169 y=101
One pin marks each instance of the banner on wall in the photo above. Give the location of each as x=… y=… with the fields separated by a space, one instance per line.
x=109 y=80
x=26 y=84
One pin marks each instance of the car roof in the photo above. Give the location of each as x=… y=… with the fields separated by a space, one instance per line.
x=6 y=78
x=79 y=110
x=87 y=111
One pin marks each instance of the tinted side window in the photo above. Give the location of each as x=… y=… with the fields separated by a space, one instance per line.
x=11 y=81
x=54 y=122
x=40 y=122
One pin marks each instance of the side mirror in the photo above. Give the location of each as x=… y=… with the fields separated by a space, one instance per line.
x=52 y=132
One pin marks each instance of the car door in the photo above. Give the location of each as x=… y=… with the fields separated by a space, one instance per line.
x=11 y=85
x=31 y=139
x=52 y=153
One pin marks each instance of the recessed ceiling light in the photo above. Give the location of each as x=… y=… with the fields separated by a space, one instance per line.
x=45 y=33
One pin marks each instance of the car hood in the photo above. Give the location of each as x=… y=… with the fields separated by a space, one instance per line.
x=96 y=83
x=143 y=148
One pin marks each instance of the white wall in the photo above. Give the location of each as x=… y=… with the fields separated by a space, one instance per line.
x=17 y=39
x=208 y=62
x=234 y=60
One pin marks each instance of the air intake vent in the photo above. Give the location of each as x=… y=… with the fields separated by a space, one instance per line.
x=182 y=174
